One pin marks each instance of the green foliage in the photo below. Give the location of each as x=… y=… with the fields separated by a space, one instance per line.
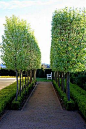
x=79 y=79
x=79 y=96
x=69 y=105
x=33 y=57
x=20 y=48
x=6 y=96
x=68 y=40
x=68 y=45
x=16 y=105
x=41 y=73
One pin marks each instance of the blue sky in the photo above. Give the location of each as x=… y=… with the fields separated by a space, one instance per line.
x=39 y=14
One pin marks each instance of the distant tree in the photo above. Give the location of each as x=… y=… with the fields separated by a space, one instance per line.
x=33 y=55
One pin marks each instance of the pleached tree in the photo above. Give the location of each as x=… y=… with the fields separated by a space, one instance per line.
x=17 y=34
x=68 y=42
x=33 y=55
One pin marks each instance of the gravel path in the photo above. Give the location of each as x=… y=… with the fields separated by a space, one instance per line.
x=42 y=111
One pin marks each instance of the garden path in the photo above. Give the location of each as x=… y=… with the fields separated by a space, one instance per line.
x=42 y=111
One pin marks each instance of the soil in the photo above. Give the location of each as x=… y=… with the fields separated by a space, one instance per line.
x=42 y=110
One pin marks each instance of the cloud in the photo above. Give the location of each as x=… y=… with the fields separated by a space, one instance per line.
x=22 y=4
x=13 y=4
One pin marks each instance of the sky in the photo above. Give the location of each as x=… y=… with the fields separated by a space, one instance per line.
x=39 y=14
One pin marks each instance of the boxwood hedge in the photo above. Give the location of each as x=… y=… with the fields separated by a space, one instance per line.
x=17 y=104
x=79 y=96
x=69 y=105
x=6 y=96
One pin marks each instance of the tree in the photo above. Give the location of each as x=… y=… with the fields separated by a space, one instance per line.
x=68 y=41
x=16 y=38
x=14 y=33
x=33 y=54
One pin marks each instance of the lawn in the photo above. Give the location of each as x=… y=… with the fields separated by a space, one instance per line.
x=43 y=80
x=7 y=77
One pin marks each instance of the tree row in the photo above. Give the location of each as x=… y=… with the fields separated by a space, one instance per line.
x=20 y=50
x=68 y=53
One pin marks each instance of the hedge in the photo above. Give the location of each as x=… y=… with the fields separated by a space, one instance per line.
x=17 y=104
x=79 y=96
x=69 y=105
x=6 y=96
x=79 y=78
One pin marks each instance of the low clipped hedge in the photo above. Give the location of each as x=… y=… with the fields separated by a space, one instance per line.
x=69 y=105
x=79 y=96
x=6 y=96
x=17 y=104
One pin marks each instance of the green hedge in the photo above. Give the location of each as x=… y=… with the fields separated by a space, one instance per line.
x=69 y=105
x=17 y=104
x=79 y=96
x=6 y=96
x=79 y=78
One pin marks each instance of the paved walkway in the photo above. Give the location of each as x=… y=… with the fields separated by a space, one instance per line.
x=4 y=82
x=42 y=111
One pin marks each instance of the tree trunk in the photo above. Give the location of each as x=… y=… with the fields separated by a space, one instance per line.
x=34 y=74
x=20 y=82
x=68 y=86
x=17 y=84
x=30 y=76
x=62 y=81
x=27 y=77
x=59 y=79
x=56 y=76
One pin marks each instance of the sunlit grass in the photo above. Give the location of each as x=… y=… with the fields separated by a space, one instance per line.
x=38 y=79
x=43 y=80
x=7 y=77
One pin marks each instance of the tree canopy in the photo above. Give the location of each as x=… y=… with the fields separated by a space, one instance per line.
x=68 y=53
x=20 y=48
x=68 y=40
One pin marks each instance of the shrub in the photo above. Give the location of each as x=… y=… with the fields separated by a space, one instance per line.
x=79 y=78
x=17 y=104
x=69 y=105
x=79 y=96
x=6 y=96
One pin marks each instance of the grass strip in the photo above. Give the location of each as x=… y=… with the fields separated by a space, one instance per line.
x=43 y=80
